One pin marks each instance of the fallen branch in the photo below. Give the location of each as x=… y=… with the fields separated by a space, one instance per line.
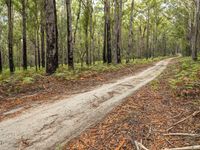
x=136 y=145
x=182 y=120
x=140 y=145
x=196 y=147
x=182 y=134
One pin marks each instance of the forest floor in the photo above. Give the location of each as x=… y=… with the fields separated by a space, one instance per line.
x=47 y=125
x=163 y=114
x=26 y=90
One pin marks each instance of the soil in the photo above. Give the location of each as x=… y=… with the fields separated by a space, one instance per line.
x=51 y=89
x=50 y=125
x=145 y=117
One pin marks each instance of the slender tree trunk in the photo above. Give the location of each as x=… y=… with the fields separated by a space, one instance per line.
x=148 y=33
x=99 y=47
x=130 y=36
x=38 y=48
x=105 y=35
x=116 y=29
x=155 y=31
x=109 y=53
x=93 y=46
x=51 y=37
x=1 y=62
x=120 y=33
x=86 y=26
x=42 y=47
x=164 y=45
x=42 y=28
x=117 y=43
x=91 y=31
x=86 y=46
x=77 y=22
x=1 y=65
x=56 y=29
x=196 y=31
x=69 y=35
x=10 y=36
x=24 y=51
x=35 y=51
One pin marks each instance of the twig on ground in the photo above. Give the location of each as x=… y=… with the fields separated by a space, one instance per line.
x=136 y=145
x=182 y=120
x=140 y=145
x=150 y=132
x=177 y=115
x=196 y=147
x=120 y=145
x=182 y=134
x=168 y=142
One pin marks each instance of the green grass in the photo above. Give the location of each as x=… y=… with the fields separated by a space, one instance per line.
x=31 y=75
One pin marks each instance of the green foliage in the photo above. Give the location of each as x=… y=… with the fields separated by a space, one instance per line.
x=20 y=76
x=187 y=75
x=64 y=73
x=28 y=80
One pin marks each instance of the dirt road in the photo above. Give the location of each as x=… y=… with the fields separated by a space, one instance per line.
x=47 y=126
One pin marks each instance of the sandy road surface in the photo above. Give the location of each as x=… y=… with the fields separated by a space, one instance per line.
x=47 y=126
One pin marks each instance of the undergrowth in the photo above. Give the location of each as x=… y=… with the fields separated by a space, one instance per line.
x=186 y=81
x=31 y=75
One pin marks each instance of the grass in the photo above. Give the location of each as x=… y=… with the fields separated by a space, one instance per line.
x=31 y=75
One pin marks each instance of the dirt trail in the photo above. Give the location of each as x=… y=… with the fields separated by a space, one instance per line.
x=48 y=125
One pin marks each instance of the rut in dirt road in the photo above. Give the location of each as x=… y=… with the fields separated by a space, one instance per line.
x=47 y=126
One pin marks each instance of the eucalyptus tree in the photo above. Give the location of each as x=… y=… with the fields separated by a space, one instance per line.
x=51 y=36
x=108 y=31
x=1 y=64
x=130 y=36
x=196 y=31
x=24 y=51
x=42 y=30
x=69 y=35
x=117 y=28
x=10 y=36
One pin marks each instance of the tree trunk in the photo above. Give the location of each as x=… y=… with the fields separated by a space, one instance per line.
x=77 y=22
x=51 y=37
x=120 y=33
x=105 y=35
x=196 y=31
x=10 y=36
x=24 y=51
x=86 y=26
x=148 y=32
x=117 y=43
x=42 y=28
x=69 y=35
x=116 y=29
x=1 y=63
x=130 y=37
x=35 y=50
x=91 y=32
x=1 y=66
x=38 y=49
x=109 y=53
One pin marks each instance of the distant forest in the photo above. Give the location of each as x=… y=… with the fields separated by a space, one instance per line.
x=49 y=33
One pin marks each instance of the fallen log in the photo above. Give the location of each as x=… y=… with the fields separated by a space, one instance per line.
x=182 y=120
x=183 y=134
